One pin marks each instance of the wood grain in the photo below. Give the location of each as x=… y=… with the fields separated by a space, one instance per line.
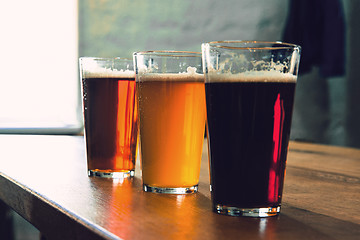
x=43 y=178
x=324 y=180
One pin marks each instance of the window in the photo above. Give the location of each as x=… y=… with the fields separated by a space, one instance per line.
x=39 y=83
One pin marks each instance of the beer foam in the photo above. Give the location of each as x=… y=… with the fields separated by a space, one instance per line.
x=109 y=73
x=190 y=75
x=252 y=76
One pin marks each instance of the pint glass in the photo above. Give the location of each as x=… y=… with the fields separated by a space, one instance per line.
x=171 y=94
x=249 y=89
x=110 y=116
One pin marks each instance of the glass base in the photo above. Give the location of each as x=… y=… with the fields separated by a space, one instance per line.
x=247 y=212
x=109 y=174
x=179 y=190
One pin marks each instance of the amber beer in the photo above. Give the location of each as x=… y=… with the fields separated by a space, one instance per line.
x=172 y=122
x=110 y=118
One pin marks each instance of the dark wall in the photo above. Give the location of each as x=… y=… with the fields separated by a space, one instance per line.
x=352 y=94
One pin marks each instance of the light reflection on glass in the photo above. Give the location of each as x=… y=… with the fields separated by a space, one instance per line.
x=279 y=114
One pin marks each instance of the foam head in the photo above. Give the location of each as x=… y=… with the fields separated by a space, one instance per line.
x=190 y=76
x=252 y=76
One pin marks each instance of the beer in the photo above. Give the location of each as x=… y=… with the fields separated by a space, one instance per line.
x=110 y=122
x=172 y=124
x=248 y=126
x=249 y=88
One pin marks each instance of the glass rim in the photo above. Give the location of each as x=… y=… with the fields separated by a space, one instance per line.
x=169 y=53
x=251 y=45
x=105 y=58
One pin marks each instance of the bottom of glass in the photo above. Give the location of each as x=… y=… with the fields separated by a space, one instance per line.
x=110 y=174
x=179 y=190
x=247 y=212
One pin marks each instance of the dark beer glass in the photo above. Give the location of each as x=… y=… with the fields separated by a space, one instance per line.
x=249 y=89
x=110 y=116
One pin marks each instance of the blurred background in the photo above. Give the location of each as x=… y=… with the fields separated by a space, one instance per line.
x=41 y=41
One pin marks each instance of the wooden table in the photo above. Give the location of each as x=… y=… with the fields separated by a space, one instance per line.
x=44 y=179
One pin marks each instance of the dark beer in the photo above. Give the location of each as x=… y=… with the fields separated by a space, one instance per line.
x=110 y=123
x=248 y=127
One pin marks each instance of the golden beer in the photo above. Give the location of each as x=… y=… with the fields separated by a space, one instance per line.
x=172 y=123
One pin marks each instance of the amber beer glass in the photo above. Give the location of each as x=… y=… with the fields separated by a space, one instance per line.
x=249 y=90
x=110 y=116
x=170 y=88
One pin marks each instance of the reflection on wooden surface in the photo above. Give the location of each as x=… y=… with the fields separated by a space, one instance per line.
x=46 y=182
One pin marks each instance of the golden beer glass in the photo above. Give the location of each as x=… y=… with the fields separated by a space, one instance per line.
x=171 y=98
